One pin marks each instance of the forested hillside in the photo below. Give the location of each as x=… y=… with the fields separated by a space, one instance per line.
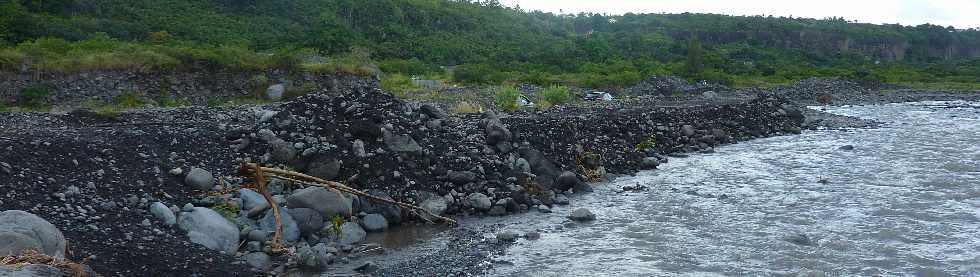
x=487 y=42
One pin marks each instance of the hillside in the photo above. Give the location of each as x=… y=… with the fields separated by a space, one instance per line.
x=492 y=43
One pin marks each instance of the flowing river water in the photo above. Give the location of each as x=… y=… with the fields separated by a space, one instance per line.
x=904 y=201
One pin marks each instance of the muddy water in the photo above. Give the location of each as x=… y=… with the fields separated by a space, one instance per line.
x=904 y=201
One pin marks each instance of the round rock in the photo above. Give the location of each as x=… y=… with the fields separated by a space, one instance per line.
x=20 y=230
x=199 y=179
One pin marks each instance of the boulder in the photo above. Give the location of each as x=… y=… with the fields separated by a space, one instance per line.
x=163 y=213
x=846 y=147
x=433 y=111
x=282 y=151
x=374 y=223
x=461 y=177
x=290 y=229
x=208 y=228
x=392 y=213
x=20 y=230
x=479 y=201
x=327 y=170
x=582 y=214
x=309 y=220
x=649 y=163
x=351 y=233
x=507 y=236
x=41 y=270
x=568 y=180
x=259 y=260
x=327 y=202
x=402 y=144
x=435 y=205
x=199 y=179
x=688 y=130
x=251 y=199
x=275 y=92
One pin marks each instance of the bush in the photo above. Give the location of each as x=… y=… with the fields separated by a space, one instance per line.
x=506 y=99
x=128 y=100
x=557 y=95
x=397 y=84
x=479 y=74
x=34 y=96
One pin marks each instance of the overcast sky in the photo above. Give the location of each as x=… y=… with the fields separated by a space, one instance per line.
x=962 y=14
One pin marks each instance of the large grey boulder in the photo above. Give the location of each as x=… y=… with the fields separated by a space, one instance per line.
x=374 y=223
x=275 y=92
x=688 y=130
x=479 y=201
x=435 y=205
x=199 y=179
x=163 y=213
x=327 y=202
x=308 y=220
x=649 y=163
x=251 y=199
x=351 y=233
x=568 y=180
x=20 y=230
x=208 y=228
x=290 y=230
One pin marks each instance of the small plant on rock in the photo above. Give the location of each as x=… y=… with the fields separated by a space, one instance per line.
x=648 y=144
x=506 y=99
x=228 y=210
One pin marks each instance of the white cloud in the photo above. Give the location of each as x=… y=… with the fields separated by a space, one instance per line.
x=959 y=13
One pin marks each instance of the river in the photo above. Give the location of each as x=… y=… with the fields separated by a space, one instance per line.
x=904 y=201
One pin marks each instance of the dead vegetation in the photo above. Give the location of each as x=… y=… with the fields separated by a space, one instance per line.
x=262 y=174
x=34 y=257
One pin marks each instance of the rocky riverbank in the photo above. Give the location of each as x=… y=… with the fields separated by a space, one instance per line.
x=157 y=191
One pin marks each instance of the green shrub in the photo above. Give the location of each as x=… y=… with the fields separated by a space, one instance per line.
x=478 y=74
x=557 y=95
x=506 y=99
x=34 y=96
x=129 y=100
x=647 y=144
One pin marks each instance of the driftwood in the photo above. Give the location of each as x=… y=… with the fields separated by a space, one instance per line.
x=34 y=257
x=261 y=184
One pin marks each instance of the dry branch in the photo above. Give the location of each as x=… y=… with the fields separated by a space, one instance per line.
x=34 y=257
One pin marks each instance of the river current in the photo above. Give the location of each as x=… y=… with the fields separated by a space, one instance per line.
x=904 y=201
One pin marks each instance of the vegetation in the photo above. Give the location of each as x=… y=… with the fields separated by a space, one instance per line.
x=648 y=144
x=466 y=107
x=479 y=42
x=557 y=95
x=506 y=98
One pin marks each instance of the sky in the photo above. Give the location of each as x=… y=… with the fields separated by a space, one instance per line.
x=962 y=14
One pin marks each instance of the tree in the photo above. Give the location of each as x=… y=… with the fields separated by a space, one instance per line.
x=695 y=58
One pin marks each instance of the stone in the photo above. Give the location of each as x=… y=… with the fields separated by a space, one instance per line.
x=522 y=165
x=561 y=199
x=163 y=213
x=567 y=180
x=433 y=111
x=507 y=236
x=374 y=223
x=351 y=233
x=649 y=163
x=479 y=201
x=259 y=260
x=251 y=199
x=208 y=228
x=200 y=179
x=402 y=143
x=275 y=92
x=290 y=229
x=461 y=177
x=544 y=209
x=846 y=147
x=327 y=202
x=35 y=270
x=497 y=211
x=582 y=214
x=368 y=267
x=328 y=170
x=282 y=151
x=20 y=230
x=688 y=130
x=392 y=213
x=309 y=220
x=435 y=205
x=258 y=235
x=358 y=148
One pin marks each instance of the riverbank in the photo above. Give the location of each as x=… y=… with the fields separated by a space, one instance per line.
x=99 y=177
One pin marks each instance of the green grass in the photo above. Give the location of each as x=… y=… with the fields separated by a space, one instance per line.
x=557 y=95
